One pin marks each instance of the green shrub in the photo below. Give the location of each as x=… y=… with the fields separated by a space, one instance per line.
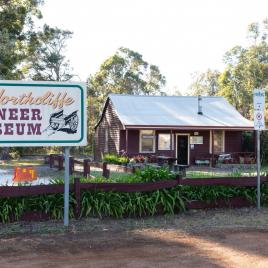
x=119 y=204
x=115 y=159
x=148 y=174
x=115 y=204
x=153 y=174
x=211 y=193
x=52 y=204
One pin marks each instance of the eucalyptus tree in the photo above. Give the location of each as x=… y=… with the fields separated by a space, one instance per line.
x=246 y=69
x=206 y=83
x=16 y=29
x=125 y=72
x=47 y=59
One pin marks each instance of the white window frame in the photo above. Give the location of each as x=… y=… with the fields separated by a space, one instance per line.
x=170 y=140
x=146 y=152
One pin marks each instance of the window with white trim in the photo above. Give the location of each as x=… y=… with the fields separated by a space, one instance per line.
x=147 y=141
x=218 y=141
x=164 y=141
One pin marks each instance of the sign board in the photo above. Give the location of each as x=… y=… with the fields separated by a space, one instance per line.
x=259 y=99
x=196 y=140
x=259 y=123
x=259 y=107
x=42 y=114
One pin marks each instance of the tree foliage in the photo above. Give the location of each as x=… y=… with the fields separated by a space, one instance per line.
x=47 y=59
x=205 y=83
x=26 y=52
x=246 y=68
x=125 y=72
x=16 y=23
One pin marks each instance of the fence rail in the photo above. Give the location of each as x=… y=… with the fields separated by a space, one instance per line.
x=57 y=160
x=19 y=191
x=77 y=187
x=224 y=181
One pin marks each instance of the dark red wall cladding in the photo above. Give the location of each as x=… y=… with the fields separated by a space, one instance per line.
x=133 y=141
x=233 y=142
x=122 y=142
x=200 y=149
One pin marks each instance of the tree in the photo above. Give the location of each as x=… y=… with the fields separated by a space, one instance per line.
x=26 y=52
x=16 y=22
x=176 y=91
x=205 y=83
x=125 y=72
x=247 y=68
x=47 y=60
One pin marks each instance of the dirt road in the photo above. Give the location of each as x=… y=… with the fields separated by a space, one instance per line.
x=221 y=238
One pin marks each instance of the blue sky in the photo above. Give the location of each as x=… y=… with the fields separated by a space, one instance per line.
x=181 y=37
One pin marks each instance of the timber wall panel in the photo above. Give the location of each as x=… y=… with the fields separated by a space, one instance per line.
x=233 y=141
x=112 y=123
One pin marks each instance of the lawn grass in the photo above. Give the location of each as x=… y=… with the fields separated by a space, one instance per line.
x=7 y=164
x=221 y=173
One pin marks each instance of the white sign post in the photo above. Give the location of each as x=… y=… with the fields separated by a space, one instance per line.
x=44 y=114
x=259 y=100
x=259 y=124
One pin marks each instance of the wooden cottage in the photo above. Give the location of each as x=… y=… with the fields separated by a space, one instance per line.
x=190 y=129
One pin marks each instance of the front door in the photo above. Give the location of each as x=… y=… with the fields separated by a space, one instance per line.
x=182 y=149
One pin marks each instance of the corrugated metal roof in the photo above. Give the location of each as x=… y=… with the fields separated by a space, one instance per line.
x=137 y=110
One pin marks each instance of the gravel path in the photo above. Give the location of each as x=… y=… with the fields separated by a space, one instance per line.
x=215 y=238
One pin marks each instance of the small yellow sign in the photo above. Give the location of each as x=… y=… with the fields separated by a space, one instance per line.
x=24 y=174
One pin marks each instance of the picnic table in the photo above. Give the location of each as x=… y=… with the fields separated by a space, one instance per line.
x=162 y=160
x=171 y=162
x=181 y=169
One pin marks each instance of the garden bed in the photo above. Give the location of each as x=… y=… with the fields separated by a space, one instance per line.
x=127 y=199
x=147 y=192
